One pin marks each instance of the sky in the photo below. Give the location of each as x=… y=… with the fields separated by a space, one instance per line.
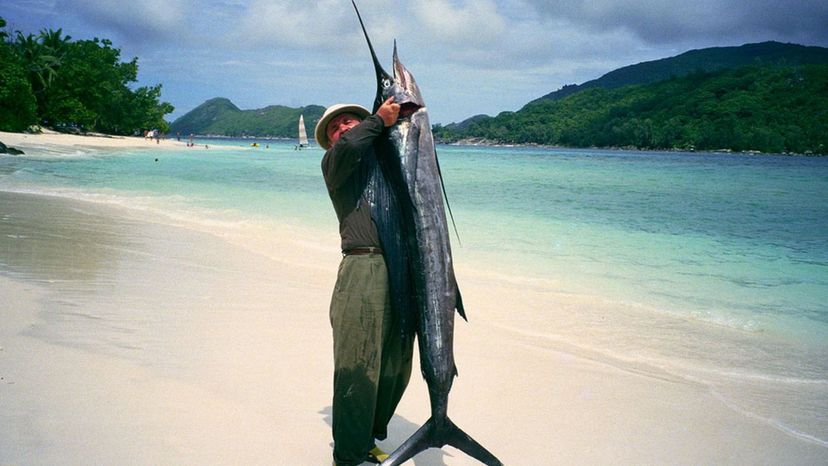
x=469 y=57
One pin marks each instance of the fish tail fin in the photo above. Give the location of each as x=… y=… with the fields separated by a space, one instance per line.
x=420 y=441
x=463 y=442
x=435 y=435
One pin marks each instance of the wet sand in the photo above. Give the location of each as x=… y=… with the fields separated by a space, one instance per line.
x=129 y=340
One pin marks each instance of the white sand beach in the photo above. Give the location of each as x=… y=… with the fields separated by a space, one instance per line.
x=128 y=340
x=54 y=139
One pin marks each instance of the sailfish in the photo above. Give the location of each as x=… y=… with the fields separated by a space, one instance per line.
x=424 y=251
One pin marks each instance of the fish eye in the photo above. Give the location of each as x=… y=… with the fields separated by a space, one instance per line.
x=386 y=83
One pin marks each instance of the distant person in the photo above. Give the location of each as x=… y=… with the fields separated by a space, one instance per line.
x=372 y=361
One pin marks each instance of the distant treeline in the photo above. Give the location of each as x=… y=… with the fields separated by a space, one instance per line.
x=753 y=108
x=77 y=86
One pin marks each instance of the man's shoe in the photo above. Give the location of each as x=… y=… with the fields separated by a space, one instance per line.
x=375 y=455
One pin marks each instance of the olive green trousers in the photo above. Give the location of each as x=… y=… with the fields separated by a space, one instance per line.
x=372 y=362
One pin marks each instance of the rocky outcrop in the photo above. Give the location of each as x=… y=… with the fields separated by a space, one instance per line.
x=4 y=149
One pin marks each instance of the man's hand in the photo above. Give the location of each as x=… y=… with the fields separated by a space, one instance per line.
x=389 y=112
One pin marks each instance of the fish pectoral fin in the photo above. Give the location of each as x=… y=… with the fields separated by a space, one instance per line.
x=459 y=306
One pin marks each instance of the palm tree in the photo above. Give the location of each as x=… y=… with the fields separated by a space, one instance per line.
x=55 y=48
x=43 y=55
x=52 y=40
x=40 y=65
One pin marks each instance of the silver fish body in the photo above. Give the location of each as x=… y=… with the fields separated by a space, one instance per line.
x=413 y=174
x=435 y=287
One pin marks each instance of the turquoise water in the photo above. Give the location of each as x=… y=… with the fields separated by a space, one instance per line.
x=741 y=239
x=732 y=248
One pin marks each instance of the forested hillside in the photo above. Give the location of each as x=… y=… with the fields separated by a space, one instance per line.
x=762 y=108
x=220 y=117
x=702 y=60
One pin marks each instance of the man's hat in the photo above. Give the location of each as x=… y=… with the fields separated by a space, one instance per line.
x=321 y=133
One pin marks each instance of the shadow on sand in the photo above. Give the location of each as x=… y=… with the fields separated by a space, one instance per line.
x=399 y=429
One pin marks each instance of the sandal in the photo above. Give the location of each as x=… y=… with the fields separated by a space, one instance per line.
x=375 y=455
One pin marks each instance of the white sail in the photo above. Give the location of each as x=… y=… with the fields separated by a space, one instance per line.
x=303 y=133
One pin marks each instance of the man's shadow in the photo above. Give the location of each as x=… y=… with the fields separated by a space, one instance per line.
x=399 y=430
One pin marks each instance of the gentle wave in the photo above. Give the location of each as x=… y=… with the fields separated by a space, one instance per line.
x=775 y=423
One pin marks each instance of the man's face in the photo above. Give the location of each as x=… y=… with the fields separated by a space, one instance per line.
x=340 y=125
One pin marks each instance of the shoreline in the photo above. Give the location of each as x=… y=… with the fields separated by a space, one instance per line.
x=53 y=139
x=149 y=339
x=102 y=141
x=482 y=142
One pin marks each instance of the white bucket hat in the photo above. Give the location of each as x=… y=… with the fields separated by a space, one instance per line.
x=321 y=133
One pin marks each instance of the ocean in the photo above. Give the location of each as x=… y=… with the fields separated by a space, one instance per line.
x=711 y=267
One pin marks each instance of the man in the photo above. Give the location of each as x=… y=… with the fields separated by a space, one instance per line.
x=372 y=362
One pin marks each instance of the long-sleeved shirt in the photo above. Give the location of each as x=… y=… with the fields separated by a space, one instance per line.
x=346 y=177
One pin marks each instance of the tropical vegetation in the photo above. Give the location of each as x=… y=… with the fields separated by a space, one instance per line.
x=709 y=59
x=73 y=85
x=754 y=108
x=767 y=96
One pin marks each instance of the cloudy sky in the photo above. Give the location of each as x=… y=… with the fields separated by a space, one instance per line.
x=468 y=56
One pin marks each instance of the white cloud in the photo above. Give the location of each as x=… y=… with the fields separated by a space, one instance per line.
x=472 y=22
x=326 y=25
x=668 y=21
x=152 y=20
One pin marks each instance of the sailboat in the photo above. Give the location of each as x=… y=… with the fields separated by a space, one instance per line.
x=303 y=134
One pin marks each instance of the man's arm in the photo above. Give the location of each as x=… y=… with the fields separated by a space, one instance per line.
x=344 y=157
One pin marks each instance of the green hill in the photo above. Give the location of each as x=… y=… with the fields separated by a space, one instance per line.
x=702 y=60
x=768 y=97
x=220 y=117
x=762 y=108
